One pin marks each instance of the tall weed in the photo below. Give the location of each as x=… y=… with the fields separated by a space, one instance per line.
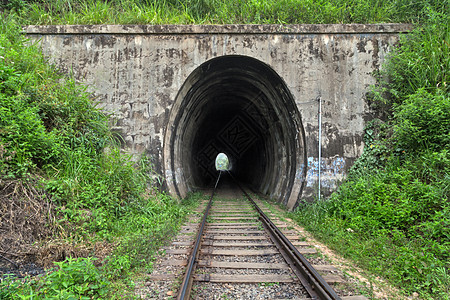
x=222 y=12
x=422 y=62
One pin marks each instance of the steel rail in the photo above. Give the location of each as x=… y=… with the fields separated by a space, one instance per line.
x=314 y=284
x=188 y=276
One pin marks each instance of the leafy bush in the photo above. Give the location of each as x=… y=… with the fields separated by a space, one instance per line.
x=378 y=149
x=72 y=279
x=394 y=199
x=42 y=116
x=392 y=223
x=422 y=121
x=49 y=124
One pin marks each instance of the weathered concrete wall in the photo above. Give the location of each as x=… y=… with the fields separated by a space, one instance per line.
x=136 y=73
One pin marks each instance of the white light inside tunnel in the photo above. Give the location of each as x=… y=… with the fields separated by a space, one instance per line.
x=222 y=162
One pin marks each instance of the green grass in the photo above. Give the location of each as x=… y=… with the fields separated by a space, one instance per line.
x=220 y=12
x=412 y=265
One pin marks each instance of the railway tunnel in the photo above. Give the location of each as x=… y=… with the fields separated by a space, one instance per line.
x=240 y=106
x=168 y=99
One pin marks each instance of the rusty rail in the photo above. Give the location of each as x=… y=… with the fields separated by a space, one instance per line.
x=314 y=284
x=192 y=264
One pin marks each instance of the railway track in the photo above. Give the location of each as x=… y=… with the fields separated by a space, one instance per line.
x=239 y=252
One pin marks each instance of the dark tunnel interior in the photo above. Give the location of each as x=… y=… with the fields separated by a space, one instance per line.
x=239 y=106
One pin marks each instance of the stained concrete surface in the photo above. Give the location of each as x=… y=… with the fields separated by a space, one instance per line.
x=184 y=93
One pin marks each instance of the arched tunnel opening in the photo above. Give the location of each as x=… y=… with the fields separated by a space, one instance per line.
x=240 y=106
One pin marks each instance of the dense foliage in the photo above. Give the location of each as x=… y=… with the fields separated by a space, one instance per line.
x=50 y=130
x=49 y=125
x=395 y=204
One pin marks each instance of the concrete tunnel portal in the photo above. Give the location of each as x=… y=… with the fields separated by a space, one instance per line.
x=240 y=106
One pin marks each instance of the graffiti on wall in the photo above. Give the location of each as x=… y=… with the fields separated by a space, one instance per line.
x=331 y=169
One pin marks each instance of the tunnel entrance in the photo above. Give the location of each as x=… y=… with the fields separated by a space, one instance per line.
x=239 y=106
